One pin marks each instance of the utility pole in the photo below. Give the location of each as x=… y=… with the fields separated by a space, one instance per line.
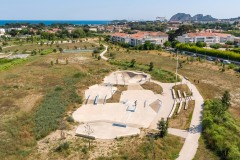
x=176 y=69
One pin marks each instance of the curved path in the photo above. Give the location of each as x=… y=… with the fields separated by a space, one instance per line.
x=190 y=146
x=105 y=51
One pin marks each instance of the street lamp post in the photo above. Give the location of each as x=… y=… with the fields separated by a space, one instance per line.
x=176 y=69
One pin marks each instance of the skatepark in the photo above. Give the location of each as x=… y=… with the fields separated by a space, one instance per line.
x=137 y=107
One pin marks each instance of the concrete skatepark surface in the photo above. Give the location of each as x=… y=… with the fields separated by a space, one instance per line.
x=103 y=91
x=104 y=130
x=126 y=78
x=137 y=107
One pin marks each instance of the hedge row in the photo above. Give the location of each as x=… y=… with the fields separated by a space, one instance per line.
x=210 y=52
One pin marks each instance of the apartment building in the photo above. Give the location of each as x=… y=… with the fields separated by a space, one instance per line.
x=140 y=38
x=209 y=38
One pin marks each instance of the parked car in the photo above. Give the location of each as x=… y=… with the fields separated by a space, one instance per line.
x=210 y=59
x=226 y=62
x=194 y=55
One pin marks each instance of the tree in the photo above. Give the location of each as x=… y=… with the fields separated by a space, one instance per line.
x=133 y=61
x=0 y=49
x=217 y=108
x=151 y=66
x=60 y=50
x=78 y=33
x=226 y=98
x=88 y=130
x=167 y=44
x=162 y=126
x=179 y=32
x=201 y=44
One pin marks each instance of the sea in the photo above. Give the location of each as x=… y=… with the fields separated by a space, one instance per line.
x=49 y=22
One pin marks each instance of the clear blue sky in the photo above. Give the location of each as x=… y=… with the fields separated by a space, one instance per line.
x=113 y=9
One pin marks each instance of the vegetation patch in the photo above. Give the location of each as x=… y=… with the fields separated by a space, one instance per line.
x=182 y=88
x=8 y=63
x=156 y=73
x=210 y=52
x=46 y=51
x=147 y=148
x=183 y=119
x=220 y=131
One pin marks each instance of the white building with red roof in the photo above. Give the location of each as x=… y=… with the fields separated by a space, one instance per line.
x=208 y=37
x=140 y=38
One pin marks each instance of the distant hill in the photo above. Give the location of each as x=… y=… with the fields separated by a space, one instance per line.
x=187 y=17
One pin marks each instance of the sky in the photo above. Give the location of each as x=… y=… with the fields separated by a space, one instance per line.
x=114 y=9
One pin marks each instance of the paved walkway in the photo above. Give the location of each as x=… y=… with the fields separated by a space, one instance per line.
x=190 y=146
x=105 y=51
x=178 y=132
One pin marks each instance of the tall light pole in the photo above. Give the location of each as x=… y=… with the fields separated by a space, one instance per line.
x=176 y=69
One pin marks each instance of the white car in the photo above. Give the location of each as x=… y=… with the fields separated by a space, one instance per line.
x=226 y=62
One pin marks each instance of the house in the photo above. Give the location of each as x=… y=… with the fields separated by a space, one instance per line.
x=171 y=29
x=109 y=28
x=140 y=38
x=2 y=31
x=208 y=37
x=93 y=29
x=17 y=29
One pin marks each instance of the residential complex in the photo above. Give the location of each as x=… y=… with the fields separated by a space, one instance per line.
x=140 y=38
x=207 y=37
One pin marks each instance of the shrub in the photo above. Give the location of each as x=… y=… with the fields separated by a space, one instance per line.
x=220 y=130
x=62 y=147
x=70 y=119
x=46 y=51
x=215 y=53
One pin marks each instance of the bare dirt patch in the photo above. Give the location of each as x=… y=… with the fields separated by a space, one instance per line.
x=182 y=88
x=157 y=89
x=117 y=95
x=183 y=119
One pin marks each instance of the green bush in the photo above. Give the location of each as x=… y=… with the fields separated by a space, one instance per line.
x=220 y=130
x=49 y=114
x=8 y=63
x=215 y=53
x=70 y=119
x=156 y=73
x=62 y=147
x=46 y=51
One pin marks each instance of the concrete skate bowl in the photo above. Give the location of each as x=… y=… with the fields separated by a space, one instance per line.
x=127 y=77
